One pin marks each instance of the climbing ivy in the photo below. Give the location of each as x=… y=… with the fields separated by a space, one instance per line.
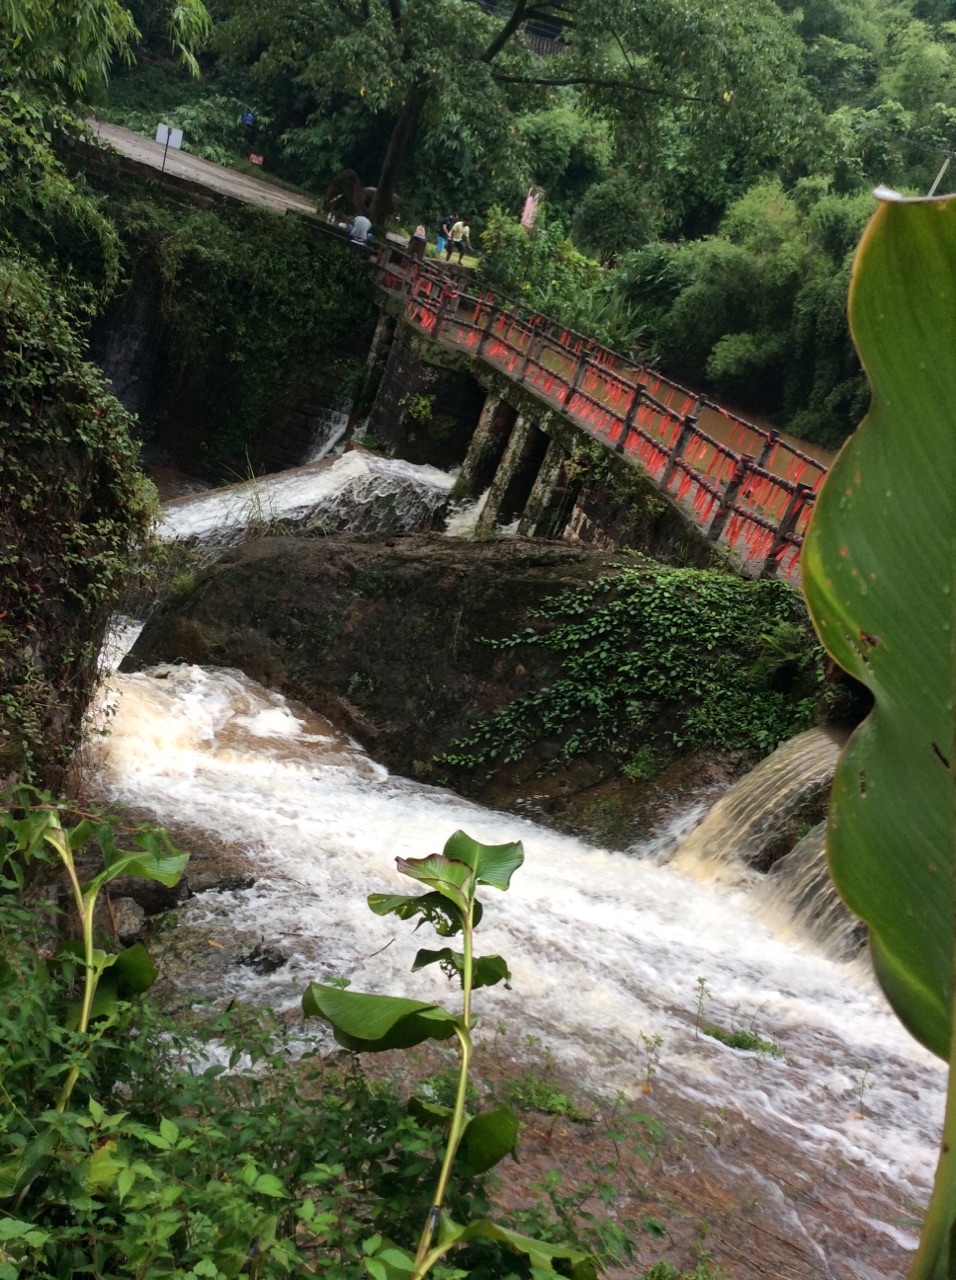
x=658 y=660
x=73 y=504
x=251 y=302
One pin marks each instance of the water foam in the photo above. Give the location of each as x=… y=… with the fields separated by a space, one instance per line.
x=359 y=492
x=605 y=948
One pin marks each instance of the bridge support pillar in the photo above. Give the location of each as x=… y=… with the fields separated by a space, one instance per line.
x=549 y=505
x=487 y=447
x=515 y=477
x=423 y=411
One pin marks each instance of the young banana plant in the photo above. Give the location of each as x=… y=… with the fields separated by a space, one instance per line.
x=372 y=1023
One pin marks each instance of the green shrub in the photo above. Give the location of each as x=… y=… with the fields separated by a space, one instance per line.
x=248 y=299
x=654 y=662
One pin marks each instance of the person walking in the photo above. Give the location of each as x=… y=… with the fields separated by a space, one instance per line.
x=444 y=232
x=460 y=237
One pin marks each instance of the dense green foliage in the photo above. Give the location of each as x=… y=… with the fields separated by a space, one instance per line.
x=62 y=47
x=248 y=302
x=759 y=308
x=656 y=130
x=44 y=213
x=654 y=661
x=73 y=505
x=544 y=269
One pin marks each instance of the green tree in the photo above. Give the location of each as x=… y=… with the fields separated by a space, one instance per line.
x=438 y=69
x=74 y=506
x=62 y=46
x=565 y=151
x=614 y=216
x=757 y=312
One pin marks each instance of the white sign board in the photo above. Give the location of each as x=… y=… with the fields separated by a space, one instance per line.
x=168 y=136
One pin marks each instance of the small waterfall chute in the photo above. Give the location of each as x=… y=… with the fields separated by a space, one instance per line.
x=755 y=822
x=328 y=428
x=357 y=493
x=799 y=890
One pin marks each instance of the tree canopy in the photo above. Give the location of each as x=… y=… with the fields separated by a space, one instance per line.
x=414 y=76
x=650 y=124
x=62 y=46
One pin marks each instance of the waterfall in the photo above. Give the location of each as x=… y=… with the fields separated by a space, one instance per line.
x=745 y=824
x=356 y=493
x=605 y=949
x=799 y=891
x=292 y=825
x=328 y=428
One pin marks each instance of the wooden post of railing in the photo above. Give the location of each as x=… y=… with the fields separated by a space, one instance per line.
x=728 y=498
x=629 y=420
x=442 y=308
x=575 y=381
x=494 y=310
x=771 y=442
x=533 y=342
x=785 y=528
x=687 y=428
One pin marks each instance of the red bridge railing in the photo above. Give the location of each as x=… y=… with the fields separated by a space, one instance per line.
x=753 y=491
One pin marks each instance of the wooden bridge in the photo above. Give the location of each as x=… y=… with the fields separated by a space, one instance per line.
x=742 y=485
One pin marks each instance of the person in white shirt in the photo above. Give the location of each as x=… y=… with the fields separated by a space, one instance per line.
x=361 y=232
x=460 y=233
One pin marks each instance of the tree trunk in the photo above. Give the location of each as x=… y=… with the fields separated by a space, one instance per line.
x=396 y=157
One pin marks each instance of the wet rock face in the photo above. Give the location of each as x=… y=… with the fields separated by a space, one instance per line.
x=384 y=635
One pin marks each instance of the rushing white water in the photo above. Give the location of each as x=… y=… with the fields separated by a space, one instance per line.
x=462 y=519
x=358 y=492
x=328 y=428
x=605 y=949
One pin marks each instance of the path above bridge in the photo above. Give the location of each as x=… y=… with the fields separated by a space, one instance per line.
x=214 y=177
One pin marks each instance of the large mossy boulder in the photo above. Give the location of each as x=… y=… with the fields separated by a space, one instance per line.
x=386 y=635
x=529 y=674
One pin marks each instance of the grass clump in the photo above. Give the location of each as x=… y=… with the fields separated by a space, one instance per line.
x=744 y=1039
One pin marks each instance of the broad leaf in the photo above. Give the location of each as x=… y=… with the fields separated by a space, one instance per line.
x=487 y=1139
x=878 y=567
x=430 y=1114
x=440 y=912
x=455 y=880
x=135 y=969
x=130 y=973
x=539 y=1254
x=372 y=1023
x=492 y=864
x=151 y=864
x=30 y=831
x=878 y=573
x=486 y=970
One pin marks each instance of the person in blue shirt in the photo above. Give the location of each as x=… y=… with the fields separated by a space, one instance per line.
x=444 y=232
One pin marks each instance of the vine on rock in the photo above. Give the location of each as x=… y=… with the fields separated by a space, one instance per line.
x=72 y=507
x=658 y=660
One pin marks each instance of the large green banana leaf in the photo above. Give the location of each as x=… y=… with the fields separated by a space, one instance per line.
x=878 y=569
